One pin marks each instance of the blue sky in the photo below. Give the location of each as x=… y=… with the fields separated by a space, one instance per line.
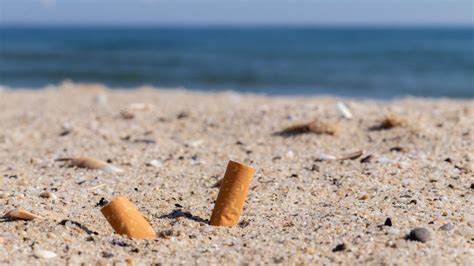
x=246 y=12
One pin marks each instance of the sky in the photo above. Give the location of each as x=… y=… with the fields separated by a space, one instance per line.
x=237 y=12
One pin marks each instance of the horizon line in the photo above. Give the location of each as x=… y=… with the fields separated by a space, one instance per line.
x=236 y=25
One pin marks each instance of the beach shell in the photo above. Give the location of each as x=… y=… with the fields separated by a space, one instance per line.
x=44 y=254
x=344 y=110
x=91 y=163
x=19 y=214
x=351 y=156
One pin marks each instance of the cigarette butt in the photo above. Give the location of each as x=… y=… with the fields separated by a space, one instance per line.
x=126 y=219
x=232 y=194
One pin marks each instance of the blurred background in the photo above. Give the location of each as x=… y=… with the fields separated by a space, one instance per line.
x=356 y=48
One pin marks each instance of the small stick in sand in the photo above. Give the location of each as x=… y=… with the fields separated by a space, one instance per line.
x=19 y=214
x=232 y=194
x=91 y=163
x=317 y=127
x=127 y=220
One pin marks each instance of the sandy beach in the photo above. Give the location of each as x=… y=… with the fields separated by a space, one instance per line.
x=307 y=204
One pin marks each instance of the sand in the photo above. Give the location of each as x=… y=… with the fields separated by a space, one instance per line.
x=299 y=207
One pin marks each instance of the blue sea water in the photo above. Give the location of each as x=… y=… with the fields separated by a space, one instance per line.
x=360 y=62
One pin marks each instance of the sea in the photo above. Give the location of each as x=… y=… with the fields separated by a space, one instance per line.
x=366 y=62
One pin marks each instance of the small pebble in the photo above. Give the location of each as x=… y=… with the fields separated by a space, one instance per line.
x=48 y=195
x=447 y=227
x=107 y=255
x=127 y=114
x=101 y=98
x=367 y=158
x=102 y=202
x=388 y=222
x=419 y=234
x=44 y=254
x=339 y=247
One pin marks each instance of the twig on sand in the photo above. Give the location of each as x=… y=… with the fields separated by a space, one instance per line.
x=315 y=126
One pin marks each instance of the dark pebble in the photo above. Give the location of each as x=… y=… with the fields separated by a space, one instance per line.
x=118 y=242
x=388 y=222
x=472 y=186
x=102 y=202
x=419 y=234
x=339 y=247
x=367 y=159
x=107 y=255
x=447 y=227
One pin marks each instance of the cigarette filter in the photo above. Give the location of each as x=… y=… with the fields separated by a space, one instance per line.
x=232 y=194
x=126 y=219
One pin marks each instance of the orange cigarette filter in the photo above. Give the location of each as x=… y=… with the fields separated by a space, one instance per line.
x=127 y=220
x=232 y=194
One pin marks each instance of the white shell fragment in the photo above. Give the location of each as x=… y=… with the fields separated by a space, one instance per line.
x=19 y=214
x=325 y=157
x=347 y=156
x=155 y=163
x=44 y=254
x=344 y=110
